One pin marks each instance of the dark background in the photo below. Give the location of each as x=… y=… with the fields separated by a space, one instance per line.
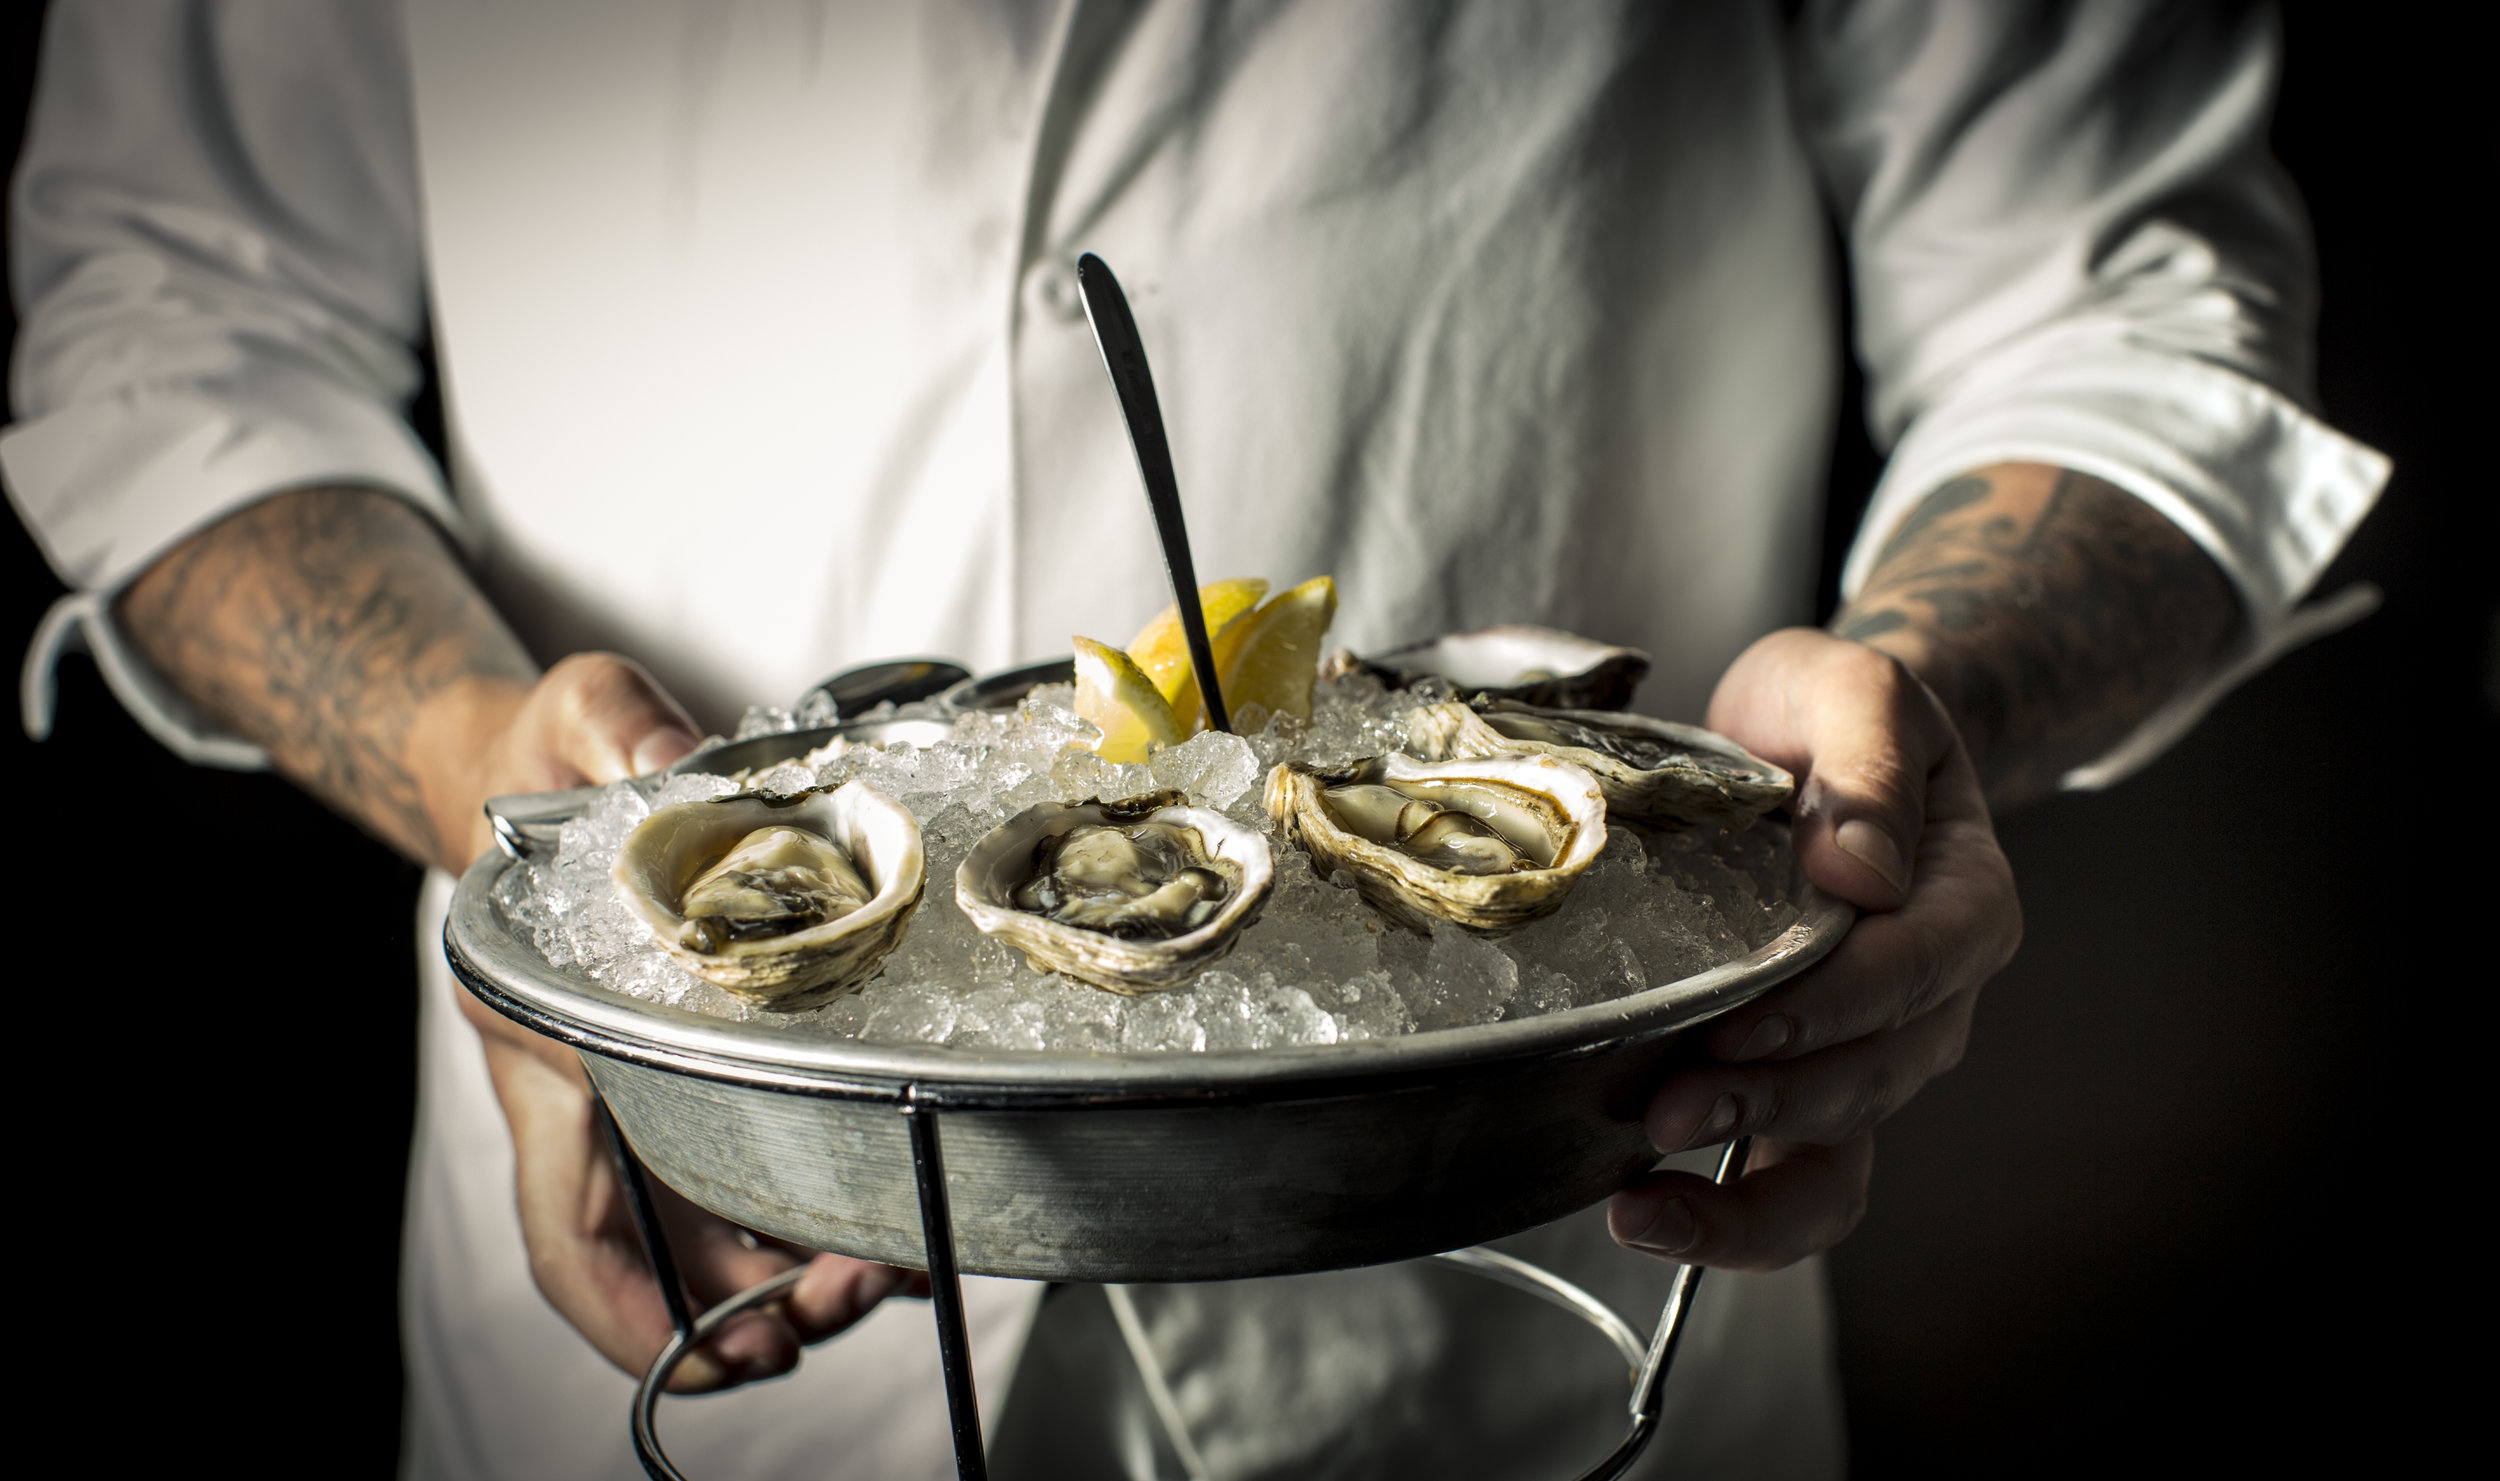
x=2187 y=1204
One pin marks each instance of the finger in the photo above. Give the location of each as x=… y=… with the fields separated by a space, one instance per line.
x=612 y=720
x=1797 y=1201
x=717 y=1262
x=1827 y=1097
x=1957 y=931
x=836 y=1292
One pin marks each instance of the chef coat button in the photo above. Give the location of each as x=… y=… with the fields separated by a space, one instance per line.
x=1055 y=283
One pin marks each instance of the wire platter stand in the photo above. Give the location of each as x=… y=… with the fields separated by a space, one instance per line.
x=1648 y=1362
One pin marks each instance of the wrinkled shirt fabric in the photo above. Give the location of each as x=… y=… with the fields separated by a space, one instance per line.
x=761 y=356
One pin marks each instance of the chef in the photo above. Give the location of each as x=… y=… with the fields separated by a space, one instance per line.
x=762 y=355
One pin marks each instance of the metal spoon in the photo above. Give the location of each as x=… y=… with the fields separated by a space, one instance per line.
x=901 y=680
x=1124 y=356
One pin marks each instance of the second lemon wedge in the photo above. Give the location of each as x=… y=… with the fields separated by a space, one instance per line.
x=1271 y=656
x=1161 y=648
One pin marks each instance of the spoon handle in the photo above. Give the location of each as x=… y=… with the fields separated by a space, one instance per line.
x=1124 y=356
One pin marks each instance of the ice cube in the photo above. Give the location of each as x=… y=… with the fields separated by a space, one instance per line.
x=693 y=787
x=1319 y=967
x=765 y=720
x=1165 y=1021
x=789 y=778
x=1464 y=980
x=1213 y=767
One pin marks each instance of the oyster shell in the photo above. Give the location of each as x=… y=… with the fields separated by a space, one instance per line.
x=1534 y=665
x=1133 y=896
x=786 y=901
x=1652 y=771
x=1489 y=843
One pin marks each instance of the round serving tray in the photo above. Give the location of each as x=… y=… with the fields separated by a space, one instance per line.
x=1130 y=1167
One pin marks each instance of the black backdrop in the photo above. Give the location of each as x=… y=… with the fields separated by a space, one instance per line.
x=2186 y=1204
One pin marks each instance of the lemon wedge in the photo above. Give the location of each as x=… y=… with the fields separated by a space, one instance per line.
x=1114 y=693
x=1161 y=648
x=1271 y=656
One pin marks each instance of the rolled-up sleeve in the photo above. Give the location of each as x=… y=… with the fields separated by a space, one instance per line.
x=215 y=249
x=2070 y=245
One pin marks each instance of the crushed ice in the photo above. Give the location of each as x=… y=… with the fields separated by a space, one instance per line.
x=1317 y=968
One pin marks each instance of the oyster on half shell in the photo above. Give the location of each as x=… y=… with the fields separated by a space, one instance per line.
x=1536 y=665
x=1133 y=896
x=1652 y=771
x=787 y=901
x=1488 y=843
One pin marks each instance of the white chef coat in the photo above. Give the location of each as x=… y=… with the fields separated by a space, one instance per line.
x=762 y=356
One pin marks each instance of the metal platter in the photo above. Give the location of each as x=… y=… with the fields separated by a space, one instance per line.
x=1130 y=1167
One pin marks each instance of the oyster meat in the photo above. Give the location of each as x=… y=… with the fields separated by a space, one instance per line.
x=1488 y=843
x=1133 y=896
x=786 y=901
x=1652 y=771
x=1535 y=665
x=777 y=881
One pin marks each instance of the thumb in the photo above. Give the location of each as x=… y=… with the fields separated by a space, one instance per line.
x=1862 y=734
x=613 y=720
x=1874 y=737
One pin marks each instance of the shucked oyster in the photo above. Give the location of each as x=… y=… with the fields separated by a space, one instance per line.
x=785 y=901
x=1132 y=896
x=1537 y=665
x=1652 y=771
x=1489 y=843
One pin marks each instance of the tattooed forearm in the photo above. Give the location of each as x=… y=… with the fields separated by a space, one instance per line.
x=2049 y=610
x=319 y=623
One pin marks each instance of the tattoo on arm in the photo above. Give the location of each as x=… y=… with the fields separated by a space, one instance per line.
x=2051 y=611
x=318 y=623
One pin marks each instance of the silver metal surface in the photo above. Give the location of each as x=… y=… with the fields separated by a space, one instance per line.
x=531 y=824
x=1649 y=1383
x=1141 y=1356
x=655 y=1380
x=1130 y=1167
x=1002 y=690
x=1648 y=1363
x=1543 y=1284
x=897 y=680
x=1124 y=359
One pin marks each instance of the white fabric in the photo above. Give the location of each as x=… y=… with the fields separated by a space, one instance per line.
x=762 y=356
x=2071 y=247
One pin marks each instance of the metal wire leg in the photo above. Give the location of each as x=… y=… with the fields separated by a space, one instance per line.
x=1649 y=1389
x=937 y=1232
x=928 y=1162
x=637 y=1182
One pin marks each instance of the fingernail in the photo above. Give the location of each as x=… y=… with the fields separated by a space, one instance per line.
x=1672 y=1230
x=743 y=1345
x=1713 y=1128
x=661 y=747
x=696 y=1372
x=1873 y=847
x=1769 y=1037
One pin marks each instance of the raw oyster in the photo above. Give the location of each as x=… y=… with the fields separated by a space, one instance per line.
x=786 y=901
x=1534 y=665
x=1489 y=843
x=1133 y=896
x=1652 y=771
